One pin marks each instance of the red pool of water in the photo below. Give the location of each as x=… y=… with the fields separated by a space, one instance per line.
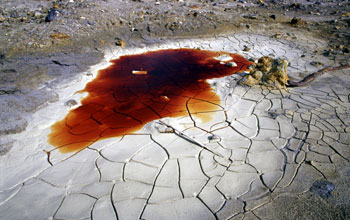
x=136 y=89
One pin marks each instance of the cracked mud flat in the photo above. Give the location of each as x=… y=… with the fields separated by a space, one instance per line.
x=266 y=154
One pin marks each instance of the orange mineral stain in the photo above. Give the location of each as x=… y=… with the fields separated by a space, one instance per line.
x=136 y=89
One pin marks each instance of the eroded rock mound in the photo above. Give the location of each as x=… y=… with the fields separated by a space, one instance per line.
x=268 y=71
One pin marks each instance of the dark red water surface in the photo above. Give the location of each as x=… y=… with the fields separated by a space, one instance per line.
x=137 y=89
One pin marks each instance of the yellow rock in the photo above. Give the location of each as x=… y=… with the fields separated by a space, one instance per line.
x=119 y=42
x=278 y=73
x=268 y=71
x=248 y=80
x=59 y=36
x=265 y=64
x=257 y=75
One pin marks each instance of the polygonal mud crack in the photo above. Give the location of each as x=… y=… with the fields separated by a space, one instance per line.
x=260 y=143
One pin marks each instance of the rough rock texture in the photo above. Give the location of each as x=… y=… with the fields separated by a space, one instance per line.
x=268 y=71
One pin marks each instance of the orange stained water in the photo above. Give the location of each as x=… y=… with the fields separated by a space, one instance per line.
x=136 y=89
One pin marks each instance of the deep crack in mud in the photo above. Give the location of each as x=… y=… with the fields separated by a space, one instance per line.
x=137 y=89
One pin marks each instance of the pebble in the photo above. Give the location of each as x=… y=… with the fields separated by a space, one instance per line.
x=119 y=42
x=213 y=138
x=38 y=14
x=250 y=16
x=257 y=75
x=161 y=128
x=59 y=36
x=326 y=53
x=71 y=103
x=273 y=115
x=51 y=15
x=231 y=64
x=2 y=19
x=341 y=47
x=315 y=63
x=289 y=112
x=90 y=22
x=14 y=14
x=196 y=7
x=246 y=49
x=278 y=35
x=297 y=21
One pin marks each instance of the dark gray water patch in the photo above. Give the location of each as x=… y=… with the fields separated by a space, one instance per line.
x=5 y=148
x=11 y=117
x=323 y=188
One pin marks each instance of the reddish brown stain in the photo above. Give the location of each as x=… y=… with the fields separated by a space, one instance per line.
x=137 y=89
